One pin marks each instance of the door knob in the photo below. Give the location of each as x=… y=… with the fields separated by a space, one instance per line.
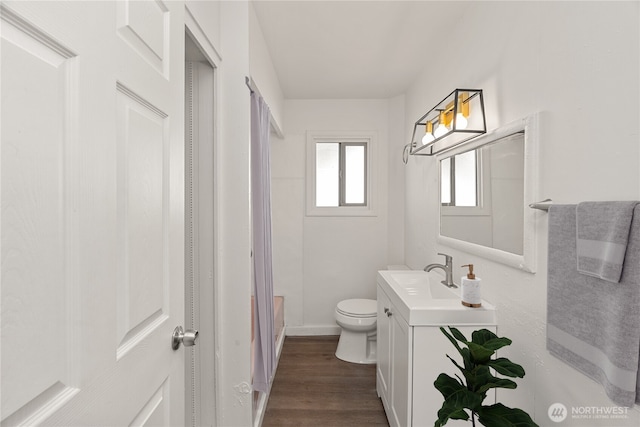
x=188 y=337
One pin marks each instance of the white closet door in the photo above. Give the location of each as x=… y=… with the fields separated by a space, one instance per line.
x=92 y=198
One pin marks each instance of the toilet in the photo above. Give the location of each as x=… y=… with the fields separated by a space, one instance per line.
x=357 y=318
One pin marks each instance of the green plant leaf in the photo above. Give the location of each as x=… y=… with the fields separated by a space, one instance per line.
x=482 y=380
x=506 y=367
x=464 y=352
x=450 y=411
x=499 y=415
x=498 y=383
x=455 y=363
x=489 y=340
x=482 y=335
x=457 y=397
x=452 y=339
x=457 y=393
x=458 y=335
x=472 y=379
x=466 y=357
x=479 y=353
x=497 y=343
x=447 y=385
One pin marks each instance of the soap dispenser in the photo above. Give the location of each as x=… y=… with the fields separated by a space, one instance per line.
x=470 y=289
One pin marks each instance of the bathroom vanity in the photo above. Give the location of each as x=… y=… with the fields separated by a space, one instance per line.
x=412 y=305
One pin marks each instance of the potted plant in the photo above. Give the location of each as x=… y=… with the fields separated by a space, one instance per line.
x=468 y=392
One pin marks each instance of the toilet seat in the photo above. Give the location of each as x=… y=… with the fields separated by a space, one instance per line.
x=360 y=308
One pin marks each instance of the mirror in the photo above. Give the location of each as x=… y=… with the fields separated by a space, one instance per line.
x=482 y=194
x=484 y=188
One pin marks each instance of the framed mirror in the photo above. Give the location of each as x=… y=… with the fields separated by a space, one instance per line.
x=485 y=188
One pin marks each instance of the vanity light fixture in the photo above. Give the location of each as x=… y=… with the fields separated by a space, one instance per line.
x=456 y=119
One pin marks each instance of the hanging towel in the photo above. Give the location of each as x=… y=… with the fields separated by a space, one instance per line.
x=603 y=232
x=594 y=325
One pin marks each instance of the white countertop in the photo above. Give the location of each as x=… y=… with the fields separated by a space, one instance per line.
x=422 y=300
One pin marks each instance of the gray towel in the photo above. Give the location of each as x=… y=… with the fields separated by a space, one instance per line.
x=603 y=232
x=594 y=325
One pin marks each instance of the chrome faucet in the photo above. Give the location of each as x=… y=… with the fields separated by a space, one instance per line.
x=447 y=268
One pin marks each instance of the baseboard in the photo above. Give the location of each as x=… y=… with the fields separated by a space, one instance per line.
x=310 y=330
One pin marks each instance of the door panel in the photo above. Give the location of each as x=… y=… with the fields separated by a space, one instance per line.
x=401 y=363
x=383 y=367
x=92 y=197
x=144 y=26
x=143 y=168
x=38 y=227
x=156 y=411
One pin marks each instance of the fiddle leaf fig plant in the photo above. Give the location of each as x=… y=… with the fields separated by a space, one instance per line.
x=466 y=393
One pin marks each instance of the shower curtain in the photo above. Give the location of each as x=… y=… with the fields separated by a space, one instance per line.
x=265 y=354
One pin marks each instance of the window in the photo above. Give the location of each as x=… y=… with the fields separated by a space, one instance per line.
x=459 y=180
x=341 y=169
x=339 y=174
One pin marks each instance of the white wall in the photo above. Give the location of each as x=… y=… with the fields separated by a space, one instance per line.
x=395 y=179
x=319 y=261
x=225 y=28
x=208 y=18
x=263 y=73
x=577 y=63
x=234 y=220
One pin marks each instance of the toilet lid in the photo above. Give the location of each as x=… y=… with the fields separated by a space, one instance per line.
x=358 y=307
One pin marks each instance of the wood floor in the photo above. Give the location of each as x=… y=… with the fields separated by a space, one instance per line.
x=312 y=387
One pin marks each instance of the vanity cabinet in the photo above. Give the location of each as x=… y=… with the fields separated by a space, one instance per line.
x=410 y=358
x=394 y=362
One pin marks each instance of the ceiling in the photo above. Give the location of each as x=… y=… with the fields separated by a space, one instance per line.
x=353 y=49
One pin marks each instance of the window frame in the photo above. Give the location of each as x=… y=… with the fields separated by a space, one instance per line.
x=483 y=194
x=452 y=180
x=342 y=179
x=344 y=138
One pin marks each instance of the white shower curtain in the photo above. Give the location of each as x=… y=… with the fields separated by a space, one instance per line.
x=265 y=354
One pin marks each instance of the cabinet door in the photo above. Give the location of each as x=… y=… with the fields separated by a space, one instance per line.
x=401 y=372
x=383 y=348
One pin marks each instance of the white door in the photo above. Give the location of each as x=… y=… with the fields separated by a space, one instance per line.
x=92 y=193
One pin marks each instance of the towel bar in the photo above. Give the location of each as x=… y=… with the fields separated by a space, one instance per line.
x=539 y=205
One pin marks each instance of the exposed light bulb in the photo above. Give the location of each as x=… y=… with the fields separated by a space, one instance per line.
x=461 y=121
x=428 y=135
x=427 y=138
x=442 y=128
x=463 y=111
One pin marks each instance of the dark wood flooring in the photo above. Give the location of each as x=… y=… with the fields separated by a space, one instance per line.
x=312 y=387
